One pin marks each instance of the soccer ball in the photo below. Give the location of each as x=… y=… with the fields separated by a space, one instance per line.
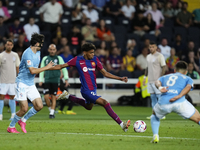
x=139 y=126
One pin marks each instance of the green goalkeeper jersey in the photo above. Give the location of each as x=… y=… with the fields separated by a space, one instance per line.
x=52 y=76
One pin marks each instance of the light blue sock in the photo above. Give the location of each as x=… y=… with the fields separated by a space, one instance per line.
x=30 y=113
x=153 y=100
x=199 y=122
x=1 y=106
x=15 y=120
x=155 y=123
x=12 y=105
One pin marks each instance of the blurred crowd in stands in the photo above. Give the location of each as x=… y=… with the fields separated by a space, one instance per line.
x=120 y=29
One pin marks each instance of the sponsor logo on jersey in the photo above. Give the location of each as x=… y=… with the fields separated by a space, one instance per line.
x=173 y=91
x=85 y=69
x=28 y=62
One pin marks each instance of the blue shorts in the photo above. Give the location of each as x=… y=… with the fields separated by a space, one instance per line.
x=90 y=96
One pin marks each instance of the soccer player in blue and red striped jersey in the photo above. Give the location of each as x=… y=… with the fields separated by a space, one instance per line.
x=86 y=66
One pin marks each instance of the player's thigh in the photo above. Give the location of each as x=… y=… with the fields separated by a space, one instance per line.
x=23 y=105
x=33 y=93
x=37 y=103
x=53 y=89
x=185 y=109
x=90 y=96
x=162 y=110
x=21 y=92
x=46 y=88
x=11 y=89
x=4 y=88
x=196 y=116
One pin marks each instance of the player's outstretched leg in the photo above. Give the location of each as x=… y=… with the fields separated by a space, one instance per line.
x=112 y=114
x=66 y=95
x=155 y=123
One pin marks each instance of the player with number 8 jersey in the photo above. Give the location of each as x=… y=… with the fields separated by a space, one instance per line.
x=174 y=87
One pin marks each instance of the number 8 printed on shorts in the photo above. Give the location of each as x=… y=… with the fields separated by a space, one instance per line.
x=172 y=80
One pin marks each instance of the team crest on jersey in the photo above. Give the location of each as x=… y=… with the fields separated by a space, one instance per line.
x=21 y=94
x=14 y=59
x=93 y=63
x=28 y=62
x=55 y=61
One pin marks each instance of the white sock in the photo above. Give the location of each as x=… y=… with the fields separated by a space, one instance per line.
x=1 y=117
x=52 y=112
x=23 y=119
x=49 y=109
x=12 y=115
x=122 y=124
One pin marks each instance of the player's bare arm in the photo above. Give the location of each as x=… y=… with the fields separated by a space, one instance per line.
x=109 y=75
x=183 y=92
x=59 y=67
x=159 y=86
x=38 y=70
x=163 y=70
x=145 y=75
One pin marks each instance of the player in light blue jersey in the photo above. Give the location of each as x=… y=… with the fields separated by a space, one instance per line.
x=173 y=87
x=25 y=83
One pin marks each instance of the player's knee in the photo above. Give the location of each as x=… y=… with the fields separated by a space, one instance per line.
x=39 y=106
x=104 y=102
x=24 y=109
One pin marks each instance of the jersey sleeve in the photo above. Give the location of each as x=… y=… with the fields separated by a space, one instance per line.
x=99 y=65
x=72 y=62
x=64 y=70
x=17 y=60
x=28 y=60
x=190 y=82
x=162 y=60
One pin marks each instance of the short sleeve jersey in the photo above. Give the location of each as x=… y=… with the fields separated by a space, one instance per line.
x=8 y=64
x=86 y=70
x=29 y=59
x=175 y=82
x=155 y=63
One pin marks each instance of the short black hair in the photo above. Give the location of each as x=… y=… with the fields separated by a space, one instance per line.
x=10 y=40
x=87 y=47
x=152 y=43
x=181 y=65
x=36 y=38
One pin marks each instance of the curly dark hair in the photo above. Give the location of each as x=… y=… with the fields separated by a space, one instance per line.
x=36 y=38
x=88 y=46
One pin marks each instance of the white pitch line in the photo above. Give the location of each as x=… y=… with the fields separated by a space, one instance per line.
x=91 y=134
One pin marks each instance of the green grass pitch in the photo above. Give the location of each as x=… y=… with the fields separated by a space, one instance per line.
x=95 y=130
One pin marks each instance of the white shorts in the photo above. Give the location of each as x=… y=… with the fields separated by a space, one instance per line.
x=151 y=88
x=24 y=91
x=7 y=88
x=184 y=109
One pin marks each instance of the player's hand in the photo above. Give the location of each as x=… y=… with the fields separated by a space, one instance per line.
x=174 y=98
x=125 y=79
x=51 y=64
x=164 y=90
x=40 y=83
x=66 y=83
